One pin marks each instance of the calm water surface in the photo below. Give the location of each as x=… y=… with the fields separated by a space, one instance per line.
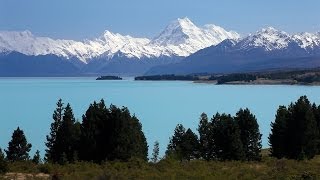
x=160 y=106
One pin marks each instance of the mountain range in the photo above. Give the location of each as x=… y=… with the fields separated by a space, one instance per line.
x=181 y=48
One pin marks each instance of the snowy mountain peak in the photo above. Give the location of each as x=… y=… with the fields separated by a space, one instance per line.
x=180 y=38
x=267 y=38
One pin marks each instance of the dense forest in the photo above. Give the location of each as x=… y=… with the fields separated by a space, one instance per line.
x=309 y=76
x=168 y=77
x=109 y=78
x=303 y=77
x=109 y=143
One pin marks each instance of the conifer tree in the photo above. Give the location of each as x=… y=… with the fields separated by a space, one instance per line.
x=3 y=163
x=67 y=137
x=36 y=158
x=205 y=139
x=174 y=146
x=111 y=134
x=303 y=133
x=155 y=153
x=18 y=147
x=51 y=151
x=249 y=134
x=278 y=135
x=226 y=134
x=94 y=138
x=190 y=145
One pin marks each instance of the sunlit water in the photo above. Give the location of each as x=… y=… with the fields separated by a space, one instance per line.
x=160 y=106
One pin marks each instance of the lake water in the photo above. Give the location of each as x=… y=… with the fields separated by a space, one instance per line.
x=160 y=106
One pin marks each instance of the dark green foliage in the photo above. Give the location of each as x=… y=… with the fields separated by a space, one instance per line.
x=295 y=133
x=36 y=158
x=174 y=146
x=183 y=144
x=235 y=77
x=190 y=145
x=278 y=135
x=94 y=132
x=52 y=154
x=111 y=134
x=109 y=78
x=249 y=134
x=3 y=163
x=226 y=135
x=18 y=147
x=67 y=139
x=303 y=133
x=168 y=77
x=155 y=153
x=126 y=138
x=205 y=138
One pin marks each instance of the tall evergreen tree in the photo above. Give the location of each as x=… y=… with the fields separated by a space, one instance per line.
x=3 y=163
x=36 y=158
x=51 y=151
x=303 y=133
x=94 y=133
x=206 y=140
x=249 y=134
x=190 y=145
x=67 y=137
x=174 y=146
x=126 y=137
x=110 y=134
x=155 y=153
x=278 y=135
x=183 y=145
x=18 y=147
x=226 y=134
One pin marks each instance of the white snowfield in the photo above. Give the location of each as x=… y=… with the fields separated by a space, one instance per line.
x=272 y=39
x=180 y=38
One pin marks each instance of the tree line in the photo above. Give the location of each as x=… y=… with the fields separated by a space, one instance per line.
x=112 y=133
x=223 y=137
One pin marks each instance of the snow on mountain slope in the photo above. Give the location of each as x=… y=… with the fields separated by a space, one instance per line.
x=183 y=38
x=307 y=40
x=272 y=39
x=180 y=38
x=268 y=38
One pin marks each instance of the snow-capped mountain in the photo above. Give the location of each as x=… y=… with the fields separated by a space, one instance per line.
x=268 y=48
x=183 y=38
x=180 y=38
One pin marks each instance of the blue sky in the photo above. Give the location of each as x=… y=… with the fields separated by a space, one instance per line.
x=79 y=19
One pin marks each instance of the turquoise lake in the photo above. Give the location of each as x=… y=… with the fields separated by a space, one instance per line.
x=160 y=106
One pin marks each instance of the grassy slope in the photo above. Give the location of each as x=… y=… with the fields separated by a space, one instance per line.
x=268 y=168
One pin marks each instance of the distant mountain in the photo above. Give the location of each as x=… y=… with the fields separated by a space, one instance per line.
x=264 y=50
x=111 y=53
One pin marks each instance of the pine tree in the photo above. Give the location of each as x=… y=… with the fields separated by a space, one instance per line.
x=155 y=153
x=206 y=140
x=111 y=134
x=3 y=163
x=36 y=158
x=226 y=134
x=51 y=151
x=18 y=147
x=94 y=133
x=174 y=146
x=249 y=134
x=190 y=145
x=278 y=135
x=67 y=137
x=126 y=137
x=303 y=133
